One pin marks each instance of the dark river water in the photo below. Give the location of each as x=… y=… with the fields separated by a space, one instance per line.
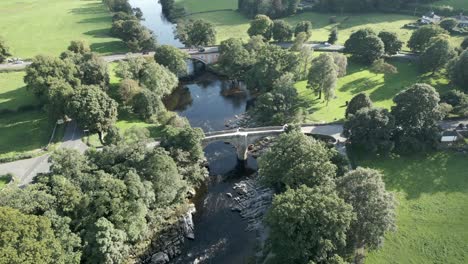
x=220 y=235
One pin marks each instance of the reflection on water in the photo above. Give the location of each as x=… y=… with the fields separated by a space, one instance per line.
x=156 y=22
x=220 y=235
x=208 y=102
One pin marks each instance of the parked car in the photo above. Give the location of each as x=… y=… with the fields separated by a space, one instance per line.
x=18 y=62
x=201 y=49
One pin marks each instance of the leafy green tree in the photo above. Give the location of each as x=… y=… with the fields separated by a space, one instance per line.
x=380 y=66
x=27 y=238
x=93 y=108
x=420 y=39
x=296 y=159
x=4 y=50
x=113 y=136
x=448 y=23
x=79 y=46
x=137 y=37
x=46 y=70
x=304 y=26
x=128 y=89
x=261 y=26
x=341 y=61
x=299 y=41
x=131 y=68
x=437 y=54
x=93 y=70
x=58 y=96
x=158 y=79
x=365 y=46
x=464 y=44
x=458 y=70
x=234 y=59
x=30 y=200
x=196 y=33
x=308 y=224
x=282 y=31
x=147 y=104
x=371 y=129
x=279 y=106
x=391 y=42
x=69 y=241
x=333 y=37
x=417 y=114
x=106 y=244
x=173 y=58
x=374 y=206
x=323 y=76
x=359 y=101
x=272 y=62
x=455 y=98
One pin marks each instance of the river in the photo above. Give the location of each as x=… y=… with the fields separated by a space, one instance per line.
x=220 y=235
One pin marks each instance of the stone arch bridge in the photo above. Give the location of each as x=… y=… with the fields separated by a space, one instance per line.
x=242 y=138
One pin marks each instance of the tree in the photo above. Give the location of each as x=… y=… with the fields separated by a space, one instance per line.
x=27 y=238
x=323 y=75
x=458 y=69
x=173 y=58
x=392 y=44
x=304 y=26
x=359 y=101
x=261 y=26
x=93 y=108
x=4 y=50
x=464 y=44
x=296 y=159
x=271 y=63
x=131 y=68
x=380 y=66
x=448 y=23
x=279 y=106
x=234 y=59
x=196 y=33
x=79 y=47
x=364 y=189
x=437 y=54
x=137 y=37
x=158 y=79
x=371 y=129
x=106 y=243
x=298 y=44
x=365 y=46
x=58 y=97
x=341 y=62
x=128 y=88
x=147 y=104
x=281 y=31
x=308 y=224
x=417 y=114
x=93 y=70
x=44 y=70
x=420 y=38
x=333 y=37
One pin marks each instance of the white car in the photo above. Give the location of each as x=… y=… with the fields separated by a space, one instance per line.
x=18 y=62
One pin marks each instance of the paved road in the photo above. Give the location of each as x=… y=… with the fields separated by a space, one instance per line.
x=26 y=170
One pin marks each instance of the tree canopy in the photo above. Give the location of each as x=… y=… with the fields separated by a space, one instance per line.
x=392 y=44
x=420 y=39
x=282 y=31
x=261 y=26
x=365 y=46
x=173 y=58
x=234 y=59
x=323 y=76
x=196 y=33
x=359 y=101
x=4 y=50
x=437 y=54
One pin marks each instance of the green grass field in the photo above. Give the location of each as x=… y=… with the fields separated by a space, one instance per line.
x=457 y=4
x=381 y=89
x=193 y=6
x=32 y=27
x=13 y=93
x=4 y=180
x=432 y=214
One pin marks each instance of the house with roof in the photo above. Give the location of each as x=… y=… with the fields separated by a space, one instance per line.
x=451 y=137
x=430 y=18
x=462 y=20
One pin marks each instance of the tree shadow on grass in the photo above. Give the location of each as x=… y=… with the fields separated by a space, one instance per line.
x=423 y=174
x=90 y=9
x=109 y=47
x=360 y=85
x=17 y=98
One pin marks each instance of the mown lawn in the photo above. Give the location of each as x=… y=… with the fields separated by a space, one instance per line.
x=432 y=214
x=381 y=89
x=32 y=27
x=234 y=24
x=13 y=93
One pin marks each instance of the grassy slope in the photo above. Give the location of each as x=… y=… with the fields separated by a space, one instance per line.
x=381 y=88
x=457 y=4
x=432 y=215
x=33 y=27
x=13 y=93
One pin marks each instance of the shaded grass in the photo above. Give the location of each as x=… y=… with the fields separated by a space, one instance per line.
x=432 y=215
x=381 y=89
x=13 y=93
x=23 y=132
x=33 y=27
x=457 y=4
x=4 y=180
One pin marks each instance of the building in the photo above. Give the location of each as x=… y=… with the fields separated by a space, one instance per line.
x=451 y=137
x=462 y=20
x=430 y=18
